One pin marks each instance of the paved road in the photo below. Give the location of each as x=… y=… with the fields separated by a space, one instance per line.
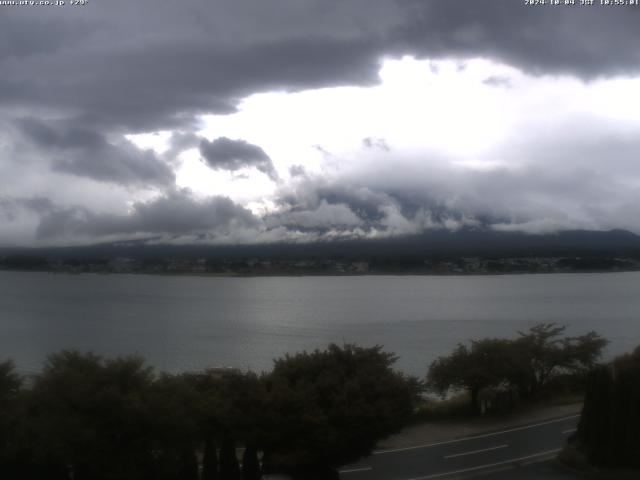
x=498 y=452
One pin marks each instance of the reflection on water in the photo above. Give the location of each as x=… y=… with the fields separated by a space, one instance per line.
x=181 y=323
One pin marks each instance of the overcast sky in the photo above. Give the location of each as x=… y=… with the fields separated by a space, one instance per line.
x=240 y=121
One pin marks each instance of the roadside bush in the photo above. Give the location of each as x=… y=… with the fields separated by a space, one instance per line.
x=430 y=409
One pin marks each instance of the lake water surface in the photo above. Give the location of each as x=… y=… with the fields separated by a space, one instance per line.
x=180 y=323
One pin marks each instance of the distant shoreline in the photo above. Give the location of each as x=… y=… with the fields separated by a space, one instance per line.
x=320 y=274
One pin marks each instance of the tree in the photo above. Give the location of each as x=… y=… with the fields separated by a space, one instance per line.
x=583 y=352
x=230 y=401
x=526 y=363
x=10 y=384
x=486 y=364
x=542 y=353
x=175 y=431
x=330 y=407
x=92 y=415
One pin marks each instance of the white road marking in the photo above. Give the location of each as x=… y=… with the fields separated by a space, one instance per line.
x=488 y=465
x=474 y=437
x=476 y=451
x=353 y=470
x=571 y=430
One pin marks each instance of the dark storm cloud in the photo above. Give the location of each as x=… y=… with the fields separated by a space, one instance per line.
x=588 y=41
x=77 y=150
x=10 y=208
x=163 y=84
x=227 y=154
x=24 y=35
x=47 y=136
x=177 y=213
x=124 y=73
x=179 y=142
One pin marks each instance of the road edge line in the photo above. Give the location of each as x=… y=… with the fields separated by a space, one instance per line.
x=489 y=465
x=473 y=437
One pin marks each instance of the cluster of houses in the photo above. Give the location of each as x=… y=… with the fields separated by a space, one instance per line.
x=322 y=266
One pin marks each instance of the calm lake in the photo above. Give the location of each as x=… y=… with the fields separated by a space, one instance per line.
x=181 y=323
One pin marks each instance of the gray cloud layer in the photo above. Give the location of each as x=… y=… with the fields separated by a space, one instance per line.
x=84 y=152
x=540 y=39
x=76 y=80
x=173 y=215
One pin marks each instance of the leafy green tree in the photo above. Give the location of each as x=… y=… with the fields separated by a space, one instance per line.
x=583 y=352
x=542 y=352
x=486 y=364
x=10 y=384
x=230 y=402
x=91 y=416
x=525 y=364
x=175 y=432
x=330 y=407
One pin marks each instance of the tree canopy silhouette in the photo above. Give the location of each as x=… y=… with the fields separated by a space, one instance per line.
x=332 y=406
x=525 y=364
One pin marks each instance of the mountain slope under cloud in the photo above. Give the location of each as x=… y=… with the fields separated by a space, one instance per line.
x=438 y=244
